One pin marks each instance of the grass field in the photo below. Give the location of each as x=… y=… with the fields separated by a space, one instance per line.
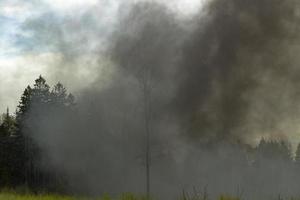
x=11 y=196
x=15 y=196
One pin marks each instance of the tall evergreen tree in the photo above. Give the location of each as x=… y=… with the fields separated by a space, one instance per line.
x=39 y=104
x=60 y=97
x=8 y=126
x=32 y=99
x=11 y=153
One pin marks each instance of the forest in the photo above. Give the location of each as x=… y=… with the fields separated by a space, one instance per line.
x=25 y=163
x=22 y=161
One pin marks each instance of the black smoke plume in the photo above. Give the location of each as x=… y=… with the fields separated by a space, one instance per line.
x=214 y=83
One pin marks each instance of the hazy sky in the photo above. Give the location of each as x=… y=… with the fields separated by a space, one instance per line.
x=36 y=37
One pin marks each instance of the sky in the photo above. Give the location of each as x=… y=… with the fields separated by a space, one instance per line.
x=37 y=36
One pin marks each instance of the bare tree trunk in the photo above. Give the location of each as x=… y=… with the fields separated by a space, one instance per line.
x=147 y=112
x=147 y=130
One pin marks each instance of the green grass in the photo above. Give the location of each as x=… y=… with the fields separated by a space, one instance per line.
x=15 y=196
x=12 y=196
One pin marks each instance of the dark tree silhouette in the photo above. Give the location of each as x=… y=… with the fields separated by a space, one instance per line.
x=274 y=150
x=8 y=126
x=37 y=104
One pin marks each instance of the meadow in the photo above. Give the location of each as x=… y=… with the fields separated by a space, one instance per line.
x=11 y=195
x=15 y=196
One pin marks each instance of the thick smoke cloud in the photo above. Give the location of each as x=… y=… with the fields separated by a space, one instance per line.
x=226 y=77
x=235 y=63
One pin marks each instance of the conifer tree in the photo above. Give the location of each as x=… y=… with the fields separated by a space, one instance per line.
x=39 y=104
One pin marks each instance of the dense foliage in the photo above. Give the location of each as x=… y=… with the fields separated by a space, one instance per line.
x=22 y=162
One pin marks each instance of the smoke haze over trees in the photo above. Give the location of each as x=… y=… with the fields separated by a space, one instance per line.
x=217 y=93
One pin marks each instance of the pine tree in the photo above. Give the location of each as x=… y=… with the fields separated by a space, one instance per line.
x=60 y=97
x=37 y=105
x=23 y=106
x=31 y=107
x=8 y=126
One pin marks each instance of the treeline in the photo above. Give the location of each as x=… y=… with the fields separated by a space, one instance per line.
x=22 y=160
x=25 y=162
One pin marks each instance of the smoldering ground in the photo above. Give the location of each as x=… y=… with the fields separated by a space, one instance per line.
x=216 y=82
